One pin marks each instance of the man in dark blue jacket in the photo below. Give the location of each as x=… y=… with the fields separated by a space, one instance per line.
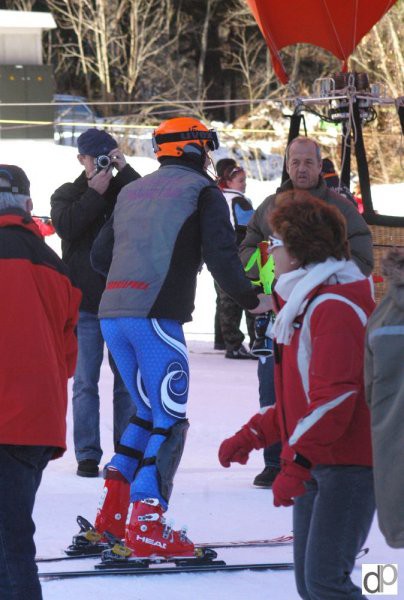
x=79 y=210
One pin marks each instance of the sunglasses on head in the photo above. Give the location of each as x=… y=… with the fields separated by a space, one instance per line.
x=274 y=242
x=234 y=171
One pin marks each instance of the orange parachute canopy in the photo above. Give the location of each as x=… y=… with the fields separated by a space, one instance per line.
x=335 y=25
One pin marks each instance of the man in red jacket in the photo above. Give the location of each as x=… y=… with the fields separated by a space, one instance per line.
x=39 y=311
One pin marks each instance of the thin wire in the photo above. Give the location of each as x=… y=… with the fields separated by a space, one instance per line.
x=221 y=102
x=400 y=102
x=146 y=102
x=346 y=141
x=335 y=31
x=355 y=27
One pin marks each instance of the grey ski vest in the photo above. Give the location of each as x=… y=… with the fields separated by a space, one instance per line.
x=147 y=219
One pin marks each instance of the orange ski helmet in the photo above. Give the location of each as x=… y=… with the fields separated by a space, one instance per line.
x=183 y=135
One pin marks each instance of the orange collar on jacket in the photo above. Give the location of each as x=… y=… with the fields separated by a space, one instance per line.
x=19 y=218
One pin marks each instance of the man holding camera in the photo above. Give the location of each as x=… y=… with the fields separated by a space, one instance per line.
x=78 y=211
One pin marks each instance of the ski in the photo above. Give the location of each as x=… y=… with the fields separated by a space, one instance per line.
x=283 y=540
x=63 y=558
x=163 y=569
x=89 y=544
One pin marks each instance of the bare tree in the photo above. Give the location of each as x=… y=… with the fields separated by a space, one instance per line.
x=72 y=16
x=117 y=42
x=247 y=54
x=26 y=5
x=381 y=52
x=153 y=30
x=201 y=89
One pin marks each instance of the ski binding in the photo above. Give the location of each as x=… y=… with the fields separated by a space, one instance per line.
x=119 y=556
x=87 y=542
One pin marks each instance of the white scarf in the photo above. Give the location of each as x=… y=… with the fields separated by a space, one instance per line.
x=295 y=286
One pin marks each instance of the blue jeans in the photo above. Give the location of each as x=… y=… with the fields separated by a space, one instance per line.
x=266 y=381
x=20 y=475
x=330 y=525
x=86 y=400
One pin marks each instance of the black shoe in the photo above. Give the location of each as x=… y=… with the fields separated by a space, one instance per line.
x=239 y=353
x=267 y=477
x=87 y=468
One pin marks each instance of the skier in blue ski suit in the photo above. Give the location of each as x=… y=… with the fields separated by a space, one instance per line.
x=163 y=227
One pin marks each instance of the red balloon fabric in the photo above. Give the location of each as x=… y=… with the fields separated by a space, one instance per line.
x=335 y=25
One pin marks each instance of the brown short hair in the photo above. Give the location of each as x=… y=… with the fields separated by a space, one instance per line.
x=311 y=230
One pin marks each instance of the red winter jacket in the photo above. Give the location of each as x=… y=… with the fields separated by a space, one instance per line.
x=38 y=348
x=320 y=408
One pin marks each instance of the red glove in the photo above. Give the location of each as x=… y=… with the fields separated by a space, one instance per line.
x=238 y=447
x=290 y=481
x=289 y=484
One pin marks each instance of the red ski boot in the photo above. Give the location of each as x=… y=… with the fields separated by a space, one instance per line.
x=113 y=506
x=147 y=534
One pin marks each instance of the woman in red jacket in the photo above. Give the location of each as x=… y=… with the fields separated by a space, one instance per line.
x=323 y=302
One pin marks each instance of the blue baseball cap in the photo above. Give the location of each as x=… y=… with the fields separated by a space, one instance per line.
x=95 y=142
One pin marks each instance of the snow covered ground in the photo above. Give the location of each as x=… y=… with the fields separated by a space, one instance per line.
x=215 y=503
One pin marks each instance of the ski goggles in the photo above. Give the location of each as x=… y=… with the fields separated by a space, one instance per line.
x=209 y=137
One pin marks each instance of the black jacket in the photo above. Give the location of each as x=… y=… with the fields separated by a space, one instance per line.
x=78 y=213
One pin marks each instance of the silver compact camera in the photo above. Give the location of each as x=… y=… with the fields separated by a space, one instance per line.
x=103 y=162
